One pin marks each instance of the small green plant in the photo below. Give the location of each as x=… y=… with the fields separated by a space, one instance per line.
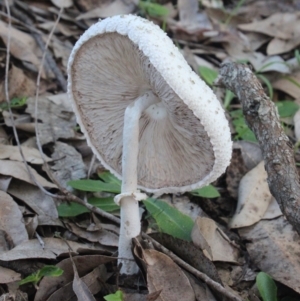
x=15 y=103
x=47 y=270
x=170 y=220
x=266 y=287
x=208 y=192
x=153 y=9
x=117 y=296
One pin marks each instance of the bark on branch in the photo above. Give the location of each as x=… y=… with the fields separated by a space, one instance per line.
x=262 y=118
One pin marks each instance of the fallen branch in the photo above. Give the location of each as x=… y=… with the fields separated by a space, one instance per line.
x=211 y=283
x=262 y=118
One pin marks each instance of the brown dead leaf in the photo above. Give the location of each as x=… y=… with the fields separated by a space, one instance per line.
x=58 y=121
x=18 y=170
x=62 y=3
x=273 y=210
x=109 y=9
x=289 y=84
x=43 y=205
x=273 y=246
x=22 y=45
x=220 y=246
x=53 y=247
x=32 y=155
x=8 y=275
x=253 y=199
x=4 y=182
x=11 y=220
x=20 y=85
x=94 y=280
x=84 y=265
x=277 y=46
x=284 y=27
x=163 y=274
x=280 y=25
x=202 y=292
x=235 y=171
x=68 y=164
x=188 y=252
x=104 y=237
x=251 y=153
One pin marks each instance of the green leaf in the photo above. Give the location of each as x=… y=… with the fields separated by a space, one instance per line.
x=16 y=102
x=169 y=219
x=107 y=177
x=266 y=286
x=206 y=192
x=228 y=98
x=208 y=75
x=94 y=186
x=242 y=130
x=287 y=108
x=153 y=9
x=74 y=209
x=117 y=296
x=268 y=84
x=50 y=270
x=47 y=270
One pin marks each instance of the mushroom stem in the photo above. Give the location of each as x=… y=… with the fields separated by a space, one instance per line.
x=130 y=216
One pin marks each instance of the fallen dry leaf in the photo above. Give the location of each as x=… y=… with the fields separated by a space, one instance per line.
x=62 y=3
x=94 y=280
x=43 y=205
x=53 y=247
x=11 y=220
x=22 y=45
x=32 y=155
x=57 y=121
x=222 y=249
x=102 y=236
x=18 y=170
x=289 y=84
x=163 y=274
x=8 y=275
x=67 y=164
x=253 y=199
x=108 y=9
x=19 y=84
x=84 y=265
x=284 y=27
x=81 y=289
x=273 y=247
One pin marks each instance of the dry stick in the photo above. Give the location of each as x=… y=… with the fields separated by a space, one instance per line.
x=215 y=285
x=262 y=117
x=38 y=38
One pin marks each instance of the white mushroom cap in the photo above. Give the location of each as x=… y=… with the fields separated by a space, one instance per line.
x=185 y=141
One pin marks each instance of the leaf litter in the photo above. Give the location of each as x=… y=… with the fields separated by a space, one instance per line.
x=263 y=35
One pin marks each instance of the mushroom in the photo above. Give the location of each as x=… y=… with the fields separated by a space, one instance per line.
x=147 y=116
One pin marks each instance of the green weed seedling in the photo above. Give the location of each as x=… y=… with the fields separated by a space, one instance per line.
x=47 y=270
x=117 y=296
x=15 y=103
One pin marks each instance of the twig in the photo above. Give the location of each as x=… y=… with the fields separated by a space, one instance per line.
x=262 y=118
x=49 y=58
x=215 y=285
x=72 y=198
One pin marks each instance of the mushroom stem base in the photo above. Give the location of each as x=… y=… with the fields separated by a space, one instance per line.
x=130 y=228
